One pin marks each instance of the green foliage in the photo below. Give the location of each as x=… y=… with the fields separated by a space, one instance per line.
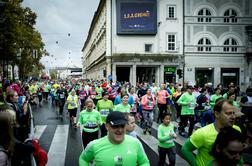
x=19 y=34
x=53 y=74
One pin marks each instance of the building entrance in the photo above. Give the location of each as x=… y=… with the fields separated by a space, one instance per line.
x=203 y=76
x=145 y=74
x=122 y=73
x=229 y=75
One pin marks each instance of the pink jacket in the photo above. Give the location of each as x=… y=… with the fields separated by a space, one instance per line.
x=147 y=104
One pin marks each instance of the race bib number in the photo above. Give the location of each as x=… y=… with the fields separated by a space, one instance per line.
x=133 y=109
x=104 y=112
x=73 y=104
x=91 y=124
x=150 y=104
x=62 y=96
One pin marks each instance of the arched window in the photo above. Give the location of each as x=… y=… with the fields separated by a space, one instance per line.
x=230 y=16
x=204 y=15
x=230 y=45
x=204 y=44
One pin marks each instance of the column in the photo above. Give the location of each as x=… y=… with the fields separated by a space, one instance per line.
x=108 y=66
x=134 y=75
x=161 y=73
x=157 y=75
x=217 y=76
x=114 y=73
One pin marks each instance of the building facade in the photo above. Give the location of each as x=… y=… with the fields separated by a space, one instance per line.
x=216 y=42
x=153 y=41
x=144 y=43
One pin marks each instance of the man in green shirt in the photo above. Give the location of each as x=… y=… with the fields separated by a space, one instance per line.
x=116 y=148
x=188 y=103
x=203 y=138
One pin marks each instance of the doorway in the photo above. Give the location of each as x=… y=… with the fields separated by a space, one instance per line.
x=145 y=74
x=122 y=74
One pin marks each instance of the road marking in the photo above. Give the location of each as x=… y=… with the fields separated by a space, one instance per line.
x=39 y=129
x=57 y=151
x=152 y=142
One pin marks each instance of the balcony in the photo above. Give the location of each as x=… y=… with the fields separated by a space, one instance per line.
x=209 y=49
x=218 y=20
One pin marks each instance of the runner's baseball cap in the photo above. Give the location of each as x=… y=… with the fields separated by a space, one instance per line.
x=116 y=118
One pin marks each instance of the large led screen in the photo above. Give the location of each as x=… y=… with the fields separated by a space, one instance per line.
x=136 y=17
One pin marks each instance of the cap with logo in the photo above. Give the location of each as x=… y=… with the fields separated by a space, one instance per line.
x=116 y=118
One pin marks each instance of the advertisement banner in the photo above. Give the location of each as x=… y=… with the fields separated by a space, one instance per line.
x=137 y=17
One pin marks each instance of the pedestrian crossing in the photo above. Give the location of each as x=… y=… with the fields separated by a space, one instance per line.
x=57 y=151
x=64 y=144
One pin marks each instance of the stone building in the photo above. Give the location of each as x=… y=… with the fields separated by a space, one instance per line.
x=146 y=40
x=135 y=41
x=216 y=45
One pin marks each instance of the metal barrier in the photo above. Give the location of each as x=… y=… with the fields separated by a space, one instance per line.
x=31 y=134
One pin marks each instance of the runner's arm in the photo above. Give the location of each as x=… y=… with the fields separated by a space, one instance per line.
x=87 y=155
x=187 y=152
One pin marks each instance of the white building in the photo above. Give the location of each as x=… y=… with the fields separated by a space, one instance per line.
x=135 y=41
x=216 y=42
x=146 y=40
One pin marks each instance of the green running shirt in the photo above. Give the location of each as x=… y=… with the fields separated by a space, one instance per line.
x=165 y=141
x=90 y=120
x=128 y=153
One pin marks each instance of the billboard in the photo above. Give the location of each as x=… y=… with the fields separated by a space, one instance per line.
x=136 y=17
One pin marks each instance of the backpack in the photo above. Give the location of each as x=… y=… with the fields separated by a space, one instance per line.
x=39 y=154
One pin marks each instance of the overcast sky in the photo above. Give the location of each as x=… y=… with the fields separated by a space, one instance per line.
x=58 y=18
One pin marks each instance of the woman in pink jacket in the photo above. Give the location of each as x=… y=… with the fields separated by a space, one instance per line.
x=148 y=103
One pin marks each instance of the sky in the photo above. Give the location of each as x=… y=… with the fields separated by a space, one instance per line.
x=63 y=25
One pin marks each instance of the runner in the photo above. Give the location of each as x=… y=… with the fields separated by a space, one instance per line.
x=116 y=148
x=166 y=145
x=61 y=93
x=124 y=106
x=203 y=138
x=148 y=102
x=104 y=106
x=162 y=94
x=91 y=120
x=188 y=103
x=130 y=127
x=227 y=148
x=72 y=105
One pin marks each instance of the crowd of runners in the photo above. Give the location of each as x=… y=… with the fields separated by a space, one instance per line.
x=109 y=111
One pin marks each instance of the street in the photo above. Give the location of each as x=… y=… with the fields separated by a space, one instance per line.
x=63 y=142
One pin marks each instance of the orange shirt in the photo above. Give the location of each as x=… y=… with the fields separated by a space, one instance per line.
x=162 y=95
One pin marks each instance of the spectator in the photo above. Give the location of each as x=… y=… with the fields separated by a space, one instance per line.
x=6 y=139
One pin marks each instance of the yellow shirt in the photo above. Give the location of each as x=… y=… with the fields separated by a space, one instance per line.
x=203 y=139
x=72 y=102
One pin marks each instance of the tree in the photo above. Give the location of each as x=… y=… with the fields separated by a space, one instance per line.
x=19 y=35
x=53 y=74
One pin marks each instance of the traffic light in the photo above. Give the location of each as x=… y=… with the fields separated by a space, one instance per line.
x=180 y=73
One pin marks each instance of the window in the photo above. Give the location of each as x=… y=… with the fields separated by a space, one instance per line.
x=171 y=38
x=230 y=45
x=204 y=15
x=230 y=16
x=148 y=47
x=203 y=45
x=171 y=11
